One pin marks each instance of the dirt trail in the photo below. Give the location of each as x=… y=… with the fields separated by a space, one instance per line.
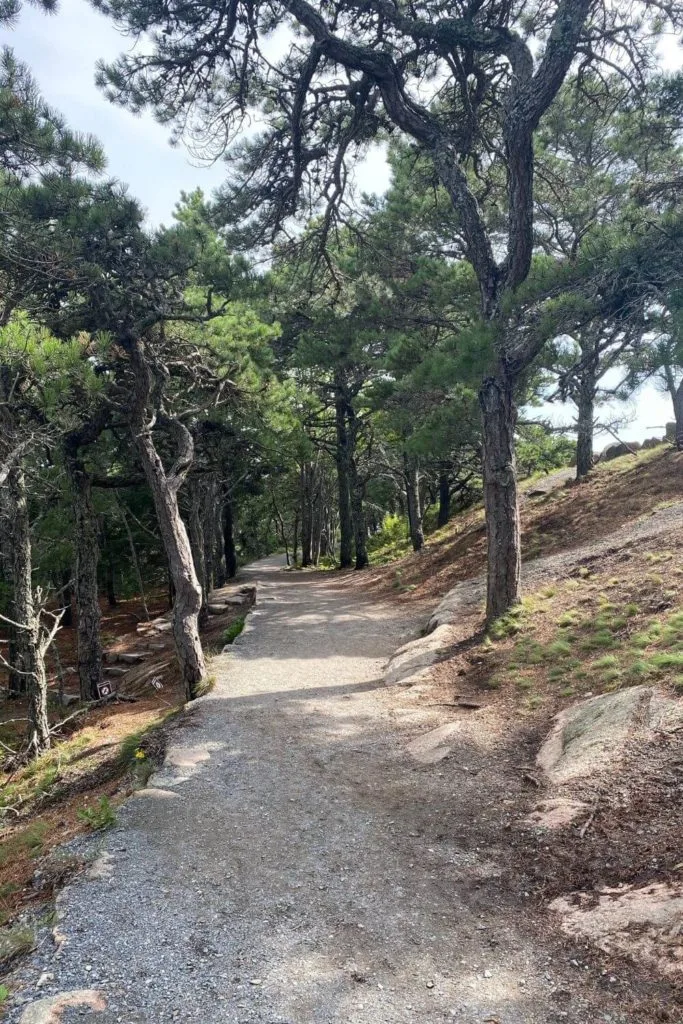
x=291 y=864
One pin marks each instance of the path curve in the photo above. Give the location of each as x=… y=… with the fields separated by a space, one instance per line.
x=291 y=864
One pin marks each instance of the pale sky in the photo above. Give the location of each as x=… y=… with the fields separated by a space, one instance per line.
x=62 y=50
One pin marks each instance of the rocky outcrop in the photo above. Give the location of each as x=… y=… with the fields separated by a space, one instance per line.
x=595 y=735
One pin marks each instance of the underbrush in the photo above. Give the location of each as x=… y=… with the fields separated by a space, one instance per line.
x=390 y=542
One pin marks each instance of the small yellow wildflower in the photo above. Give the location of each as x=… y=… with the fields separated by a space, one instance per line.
x=140 y=755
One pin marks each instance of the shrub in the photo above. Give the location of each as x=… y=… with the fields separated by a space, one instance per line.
x=99 y=817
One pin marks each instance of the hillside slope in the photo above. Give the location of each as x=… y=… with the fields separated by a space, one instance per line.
x=565 y=517
x=576 y=697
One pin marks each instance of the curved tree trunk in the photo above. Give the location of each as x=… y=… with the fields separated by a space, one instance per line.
x=164 y=487
x=30 y=652
x=342 y=461
x=87 y=596
x=500 y=495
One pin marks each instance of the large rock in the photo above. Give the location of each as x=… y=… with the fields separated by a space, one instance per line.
x=465 y=599
x=595 y=734
x=644 y=922
x=411 y=661
x=615 y=451
x=435 y=745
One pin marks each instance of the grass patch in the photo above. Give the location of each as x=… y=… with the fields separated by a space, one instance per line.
x=15 y=942
x=99 y=817
x=29 y=841
x=233 y=631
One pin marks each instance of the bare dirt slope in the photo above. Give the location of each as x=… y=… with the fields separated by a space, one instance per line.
x=294 y=863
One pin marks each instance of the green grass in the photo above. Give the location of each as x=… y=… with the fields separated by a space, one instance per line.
x=602 y=640
x=99 y=817
x=609 y=661
x=233 y=631
x=15 y=942
x=29 y=840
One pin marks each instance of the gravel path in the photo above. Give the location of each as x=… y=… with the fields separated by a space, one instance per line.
x=291 y=863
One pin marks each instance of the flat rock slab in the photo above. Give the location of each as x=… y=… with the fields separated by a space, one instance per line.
x=593 y=735
x=434 y=746
x=51 y=1009
x=643 y=922
x=413 y=658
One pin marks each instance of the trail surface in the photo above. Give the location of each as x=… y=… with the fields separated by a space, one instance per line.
x=292 y=863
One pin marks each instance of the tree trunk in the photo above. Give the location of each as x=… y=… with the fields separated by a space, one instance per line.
x=67 y=594
x=16 y=684
x=360 y=528
x=87 y=596
x=164 y=487
x=585 y=401
x=677 y=397
x=317 y=523
x=357 y=491
x=197 y=543
x=412 y=482
x=110 y=582
x=342 y=461
x=500 y=495
x=209 y=490
x=219 y=551
x=306 y=479
x=229 y=540
x=444 y=499
x=295 y=539
x=30 y=656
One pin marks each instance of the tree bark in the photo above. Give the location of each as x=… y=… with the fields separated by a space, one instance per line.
x=164 y=487
x=585 y=401
x=306 y=487
x=412 y=483
x=677 y=399
x=444 y=499
x=500 y=494
x=343 y=482
x=229 y=539
x=16 y=684
x=219 y=551
x=30 y=655
x=89 y=640
x=357 y=491
x=110 y=582
x=197 y=543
